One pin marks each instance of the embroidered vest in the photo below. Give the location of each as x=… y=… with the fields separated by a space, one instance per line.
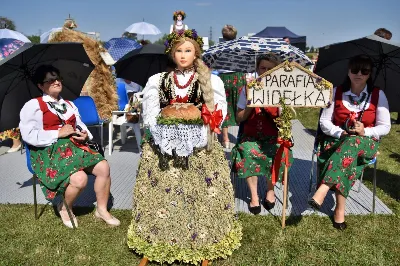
x=261 y=124
x=166 y=85
x=50 y=120
x=341 y=113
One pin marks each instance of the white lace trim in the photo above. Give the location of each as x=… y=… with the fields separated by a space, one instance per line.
x=181 y=138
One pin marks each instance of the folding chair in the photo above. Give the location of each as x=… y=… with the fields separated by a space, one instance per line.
x=89 y=115
x=317 y=140
x=121 y=120
x=34 y=177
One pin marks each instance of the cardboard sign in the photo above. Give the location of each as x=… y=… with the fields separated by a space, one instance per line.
x=289 y=80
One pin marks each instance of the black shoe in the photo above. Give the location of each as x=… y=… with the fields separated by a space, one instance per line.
x=268 y=205
x=314 y=204
x=255 y=210
x=340 y=226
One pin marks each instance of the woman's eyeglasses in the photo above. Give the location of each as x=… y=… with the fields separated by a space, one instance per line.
x=51 y=81
x=364 y=71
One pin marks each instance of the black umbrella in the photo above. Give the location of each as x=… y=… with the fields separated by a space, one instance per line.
x=16 y=86
x=333 y=64
x=140 y=64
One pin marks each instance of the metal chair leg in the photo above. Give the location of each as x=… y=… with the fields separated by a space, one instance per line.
x=69 y=212
x=101 y=135
x=374 y=188
x=34 y=195
x=360 y=181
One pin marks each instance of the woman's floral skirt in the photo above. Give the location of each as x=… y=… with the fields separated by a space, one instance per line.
x=342 y=161
x=233 y=83
x=184 y=214
x=54 y=165
x=255 y=157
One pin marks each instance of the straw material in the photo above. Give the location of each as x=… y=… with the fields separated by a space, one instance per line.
x=100 y=85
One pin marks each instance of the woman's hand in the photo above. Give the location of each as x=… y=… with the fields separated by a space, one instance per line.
x=83 y=136
x=358 y=128
x=65 y=131
x=243 y=114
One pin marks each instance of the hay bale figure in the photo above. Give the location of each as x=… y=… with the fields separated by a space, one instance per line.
x=101 y=84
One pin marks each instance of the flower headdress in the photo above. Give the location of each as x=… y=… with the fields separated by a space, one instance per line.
x=179 y=12
x=182 y=34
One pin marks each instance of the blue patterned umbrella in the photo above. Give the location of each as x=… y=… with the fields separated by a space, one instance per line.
x=239 y=55
x=118 y=47
x=9 y=46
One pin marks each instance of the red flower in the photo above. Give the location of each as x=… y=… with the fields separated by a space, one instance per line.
x=358 y=141
x=239 y=165
x=67 y=153
x=347 y=161
x=372 y=146
x=50 y=194
x=360 y=153
x=352 y=177
x=339 y=149
x=257 y=169
x=330 y=165
x=51 y=173
x=254 y=152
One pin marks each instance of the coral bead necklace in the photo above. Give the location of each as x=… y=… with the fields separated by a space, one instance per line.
x=187 y=83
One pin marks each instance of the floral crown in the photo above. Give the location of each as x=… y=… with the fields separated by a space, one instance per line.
x=182 y=34
x=179 y=12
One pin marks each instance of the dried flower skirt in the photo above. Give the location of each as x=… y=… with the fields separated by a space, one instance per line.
x=184 y=214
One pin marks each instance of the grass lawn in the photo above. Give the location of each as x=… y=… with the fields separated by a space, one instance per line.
x=310 y=240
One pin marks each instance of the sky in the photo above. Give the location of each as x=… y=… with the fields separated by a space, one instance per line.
x=322 y=21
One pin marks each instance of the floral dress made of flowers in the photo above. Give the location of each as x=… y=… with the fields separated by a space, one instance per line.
x=54 y=160
x=182 y=211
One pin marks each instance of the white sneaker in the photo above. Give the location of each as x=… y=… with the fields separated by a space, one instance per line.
x=15 y=149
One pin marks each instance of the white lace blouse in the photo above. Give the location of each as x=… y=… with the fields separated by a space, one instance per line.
x=31 y=122
x=151 y=98
x=180 y=138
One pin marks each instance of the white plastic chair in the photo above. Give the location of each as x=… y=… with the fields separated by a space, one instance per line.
x=121 y=121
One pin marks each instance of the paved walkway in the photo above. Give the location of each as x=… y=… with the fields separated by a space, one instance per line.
x=17 y=185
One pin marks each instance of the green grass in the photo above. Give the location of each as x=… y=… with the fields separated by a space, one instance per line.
x=309 y=240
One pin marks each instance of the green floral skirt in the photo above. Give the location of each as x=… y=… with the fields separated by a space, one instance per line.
x=54 y=165
x=184 y=215
x=233 y=83
x=255 y=157
x=13 y=133
x=342 y=161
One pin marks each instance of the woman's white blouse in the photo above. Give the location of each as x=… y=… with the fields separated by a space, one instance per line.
x=151 y=98
x=31 y=123
x=382 y=125
x=177 y=27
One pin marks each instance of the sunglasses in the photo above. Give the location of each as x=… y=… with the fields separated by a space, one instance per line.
x=51 y=81
x=364 y=71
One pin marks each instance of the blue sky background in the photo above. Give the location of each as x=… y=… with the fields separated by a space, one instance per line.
x=322 y=21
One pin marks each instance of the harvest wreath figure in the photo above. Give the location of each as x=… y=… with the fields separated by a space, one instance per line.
x=183 y=207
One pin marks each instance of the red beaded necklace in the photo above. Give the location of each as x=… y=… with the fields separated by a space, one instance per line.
x=187 y=84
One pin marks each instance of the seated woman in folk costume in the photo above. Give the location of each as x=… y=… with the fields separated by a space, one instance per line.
x=60 y=156
x=178 y=17
x=183 y=199
x=254 y=154
x=352 y=126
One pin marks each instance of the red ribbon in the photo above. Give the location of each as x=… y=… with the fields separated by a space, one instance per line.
x=284 y=148
x=179 y=99
x=213 y=119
